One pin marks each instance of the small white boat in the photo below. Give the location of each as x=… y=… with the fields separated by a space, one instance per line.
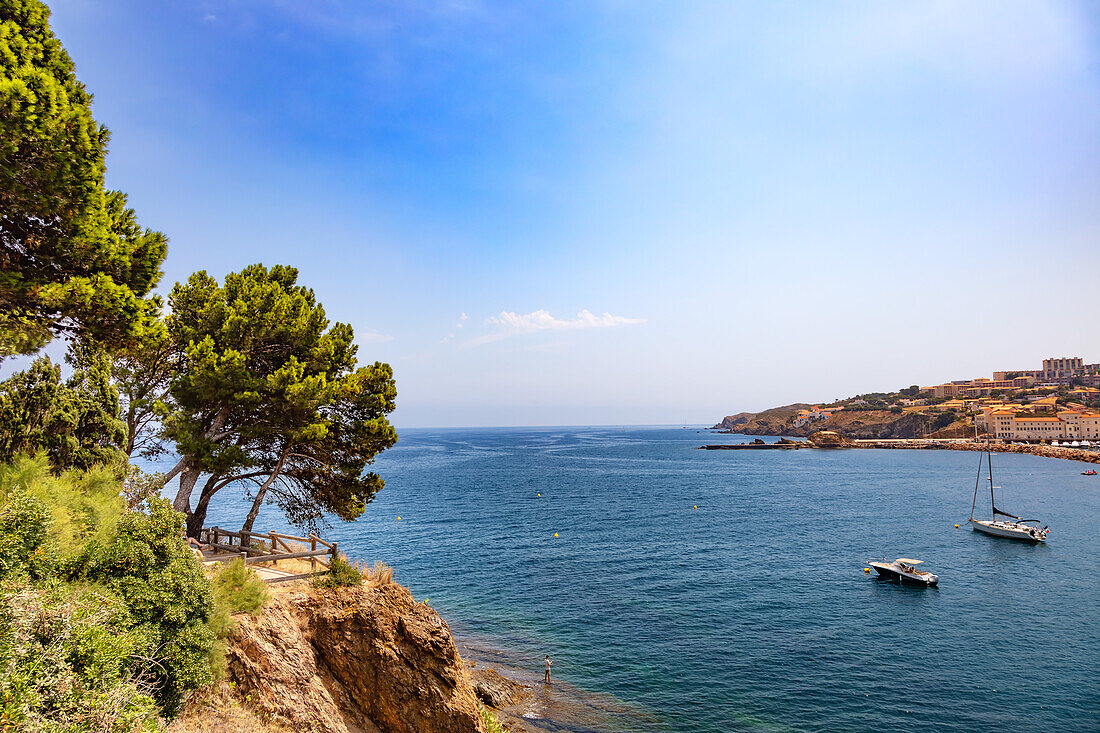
x=904 y=569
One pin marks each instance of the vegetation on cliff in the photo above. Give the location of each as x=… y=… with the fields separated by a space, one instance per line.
x=104 y=613
x=246 y=379
x=107 y=620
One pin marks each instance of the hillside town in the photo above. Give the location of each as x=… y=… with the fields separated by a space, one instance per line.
x=1059 y=402
x=1052 y=403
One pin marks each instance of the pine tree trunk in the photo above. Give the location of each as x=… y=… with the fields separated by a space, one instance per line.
x=255 y=510
x=188 y=477
x=197 y=518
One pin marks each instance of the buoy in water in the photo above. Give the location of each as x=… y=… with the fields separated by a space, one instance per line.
x=694 y=506
x=555 y=534
x=399 y=519
x=540 y=496
x=956 y=526
x=866 y=570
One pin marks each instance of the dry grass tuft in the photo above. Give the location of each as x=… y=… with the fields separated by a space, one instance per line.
x=381 y=574
x=220 y=709
x=378 y=576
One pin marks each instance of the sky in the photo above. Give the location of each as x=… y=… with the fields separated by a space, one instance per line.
x=618 y=212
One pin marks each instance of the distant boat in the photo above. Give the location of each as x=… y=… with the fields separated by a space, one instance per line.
x=1012 y=527
x=1090 y=472
x=904 y=570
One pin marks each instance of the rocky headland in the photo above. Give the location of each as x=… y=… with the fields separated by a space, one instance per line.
x=360 y=659
x=866 y=424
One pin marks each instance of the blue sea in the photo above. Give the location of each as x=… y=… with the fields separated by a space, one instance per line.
x=710 y=591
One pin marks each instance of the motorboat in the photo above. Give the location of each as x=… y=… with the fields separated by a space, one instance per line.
x=904 y=569
x=1011 y=527
x=1090 y=472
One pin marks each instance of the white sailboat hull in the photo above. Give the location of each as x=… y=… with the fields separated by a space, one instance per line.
x=1009 y=530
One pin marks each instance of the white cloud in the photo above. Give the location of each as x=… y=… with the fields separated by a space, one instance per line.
x=509 y=324
x=461 y=319
x=374 y=337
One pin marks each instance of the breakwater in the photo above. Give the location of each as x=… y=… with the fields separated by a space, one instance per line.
x=1046 y=451
x=757 y=446
x=1083 y=455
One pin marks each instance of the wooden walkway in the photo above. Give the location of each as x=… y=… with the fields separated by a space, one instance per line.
x=259 y=548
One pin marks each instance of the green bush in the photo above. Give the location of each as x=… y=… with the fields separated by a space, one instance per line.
x=25 y=546
x=340 y=574
x=237 y=589
x=162 y=584
x=492 y=725
x=116 y=591
x=82 y=504
x=66 y=659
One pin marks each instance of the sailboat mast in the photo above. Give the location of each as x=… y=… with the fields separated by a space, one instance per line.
x=977 y=483
x=992 y=500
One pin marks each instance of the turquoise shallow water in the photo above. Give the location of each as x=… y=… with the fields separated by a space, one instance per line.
x=751 y=612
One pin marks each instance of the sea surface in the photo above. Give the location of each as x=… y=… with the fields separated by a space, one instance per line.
x=710 y=591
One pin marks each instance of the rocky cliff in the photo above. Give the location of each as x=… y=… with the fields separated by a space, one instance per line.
x=352 y=660
x=759 y=423
x=849 y=423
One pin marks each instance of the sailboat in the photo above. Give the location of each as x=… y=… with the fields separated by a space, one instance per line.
x=1012 y=527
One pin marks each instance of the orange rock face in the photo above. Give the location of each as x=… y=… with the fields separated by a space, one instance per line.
x=353 y=660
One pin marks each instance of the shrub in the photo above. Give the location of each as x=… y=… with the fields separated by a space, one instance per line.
x=66 y=657
x=24 y=536
x=492 y=725
x=340 y=574
x=237 y=589
x=169 y=598
x=82 y=504
x=102 y=609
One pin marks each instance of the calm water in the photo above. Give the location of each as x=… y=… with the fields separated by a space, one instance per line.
x=750 y=612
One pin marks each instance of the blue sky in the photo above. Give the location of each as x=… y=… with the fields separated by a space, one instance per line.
x=601 y=213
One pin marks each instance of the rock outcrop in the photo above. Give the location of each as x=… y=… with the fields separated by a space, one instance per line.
x=829 y=439
x=353 y=660
x=496 y=690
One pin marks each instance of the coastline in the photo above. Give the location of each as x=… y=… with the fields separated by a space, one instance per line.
x=1081 y=455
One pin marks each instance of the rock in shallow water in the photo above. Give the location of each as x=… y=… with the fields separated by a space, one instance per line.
x=496 y=690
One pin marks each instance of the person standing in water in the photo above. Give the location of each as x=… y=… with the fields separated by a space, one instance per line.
x=548 y=663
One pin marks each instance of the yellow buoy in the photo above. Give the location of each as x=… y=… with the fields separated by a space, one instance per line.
x=540 y=496
x=956 y=526
x=555 y=534
x=693 y=506
x=866 y=570
x=399 y=519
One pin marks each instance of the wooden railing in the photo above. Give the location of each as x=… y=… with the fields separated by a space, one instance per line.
x=274 y=546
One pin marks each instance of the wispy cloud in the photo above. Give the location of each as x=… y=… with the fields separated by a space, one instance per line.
x=461 y=320
x=508 y=324
x=367 y=337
